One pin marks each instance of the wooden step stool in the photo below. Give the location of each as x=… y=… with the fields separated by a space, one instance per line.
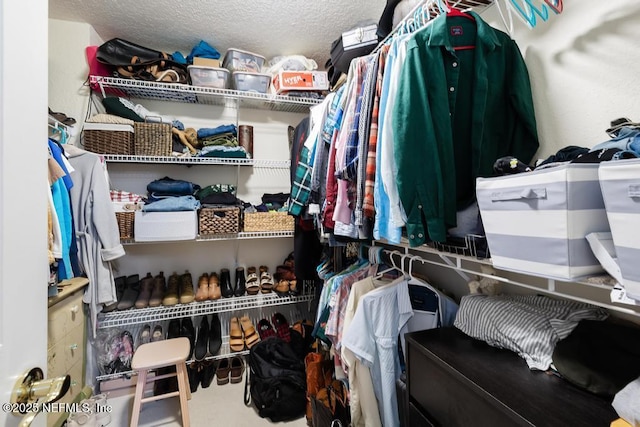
x=160 y=354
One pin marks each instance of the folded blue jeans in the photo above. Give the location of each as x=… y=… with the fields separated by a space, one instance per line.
x=172 y=187
x=173 y=204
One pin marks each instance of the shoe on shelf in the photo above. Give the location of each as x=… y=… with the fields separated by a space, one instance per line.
x=186 y=288
x=237 y=369
x=173 y=331
x=202 y=293
x=285 y=272
x=251 y=282
x=194 y=371
x=282 y=326
x=215 y=335
x=239 y=288
x=266 y=281
x=293 y=288
x=120 y=284
x=157 y=334
x=146 y=286
x=236 y=341
x=265 y=329
x=214 y=287
x=130 y=294
x=207 y=373
x=157 y=293
x=282 y=287
x=222 y=372
x=144 y=336
x=202 y=342
x=225 y=283
x=173 y=284
x=188 y=331
x=251 y=336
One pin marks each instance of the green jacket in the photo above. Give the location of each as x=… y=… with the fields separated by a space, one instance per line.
x=456 y=112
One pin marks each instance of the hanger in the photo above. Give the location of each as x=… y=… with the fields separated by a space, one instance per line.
x=393 y=263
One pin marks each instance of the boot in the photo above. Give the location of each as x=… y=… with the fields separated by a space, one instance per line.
x=157 y=293
x=171 y=297
x=239 y=288
x=186 y=288
x=225 y=283
x=194 y=373
x=173 y=331
x=214 y=287
x=121 y=284
x=146 y=286
x=187 y=330
x=130 y=294
x=203 y=288
x=215 y=335
x=202 y=343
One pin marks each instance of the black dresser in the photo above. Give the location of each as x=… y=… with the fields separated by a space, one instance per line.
x=455 y=380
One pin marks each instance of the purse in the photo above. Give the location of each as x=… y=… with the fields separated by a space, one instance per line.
x=130 y=60
x=329 y=406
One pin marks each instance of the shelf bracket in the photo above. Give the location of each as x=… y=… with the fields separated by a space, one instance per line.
x=455 y=266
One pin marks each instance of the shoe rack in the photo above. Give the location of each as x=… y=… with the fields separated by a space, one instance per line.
x=207 y=253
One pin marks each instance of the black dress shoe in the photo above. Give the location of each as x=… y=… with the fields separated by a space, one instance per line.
x=225 y=283
x=240 y=287
x=174 y=329
x=187 y=330
x=202 y=342
x=215 y=335
x=207 y=373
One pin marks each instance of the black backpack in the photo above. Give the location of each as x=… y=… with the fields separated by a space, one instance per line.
x=276 y=381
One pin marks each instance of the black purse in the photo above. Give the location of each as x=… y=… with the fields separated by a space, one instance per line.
x=329 y=406
x=130 y=60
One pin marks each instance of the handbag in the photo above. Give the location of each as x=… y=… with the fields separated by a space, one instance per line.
x=130 y=60
x=330 y=407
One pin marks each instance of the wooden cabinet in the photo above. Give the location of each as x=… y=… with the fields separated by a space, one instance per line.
x=66 y=336
x=454 y=380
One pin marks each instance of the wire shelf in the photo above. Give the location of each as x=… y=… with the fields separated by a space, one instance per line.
x=153 y=314
x=473 y=245
x=189 y=160
x=201 y=95
x=217 y=237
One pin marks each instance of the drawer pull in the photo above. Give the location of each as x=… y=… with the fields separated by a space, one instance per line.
x=73 y=346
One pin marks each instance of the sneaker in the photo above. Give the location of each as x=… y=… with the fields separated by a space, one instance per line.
x=157 y=334
x=144 y=336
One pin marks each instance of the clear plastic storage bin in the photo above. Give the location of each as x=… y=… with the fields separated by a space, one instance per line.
x=251 y=82
x=241 y=60
x=209 y=76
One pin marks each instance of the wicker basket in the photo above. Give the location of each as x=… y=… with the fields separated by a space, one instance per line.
x=268 y=221
x=152 y=139
x=104 y=141
x=125 y=224
x=219 y=220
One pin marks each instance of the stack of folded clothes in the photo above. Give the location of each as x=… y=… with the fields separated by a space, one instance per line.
x=221 y=141
x=169 y=195
x=218 y=194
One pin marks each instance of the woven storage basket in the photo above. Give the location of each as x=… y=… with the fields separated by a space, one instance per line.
x=152 y=139
x=125 y=224
x=108 y=141
x=268 y=221
x=219 y=220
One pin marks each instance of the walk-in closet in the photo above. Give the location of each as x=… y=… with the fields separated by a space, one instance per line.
x=388 y=213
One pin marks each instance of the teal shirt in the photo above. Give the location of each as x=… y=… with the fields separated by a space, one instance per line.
x=456 y=113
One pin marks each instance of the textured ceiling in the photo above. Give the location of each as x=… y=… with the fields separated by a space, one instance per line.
x=269 y=28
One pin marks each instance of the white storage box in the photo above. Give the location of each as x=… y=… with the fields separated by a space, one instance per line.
x=161 y=226
x=620 y=183
x=209 y=76
x=241 y=60
x=251 y=82
x=537 y=222
x=300 y=80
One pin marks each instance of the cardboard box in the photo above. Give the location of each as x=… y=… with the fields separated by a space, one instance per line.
x=537 y=222
x=206 y=62
x=300 y=80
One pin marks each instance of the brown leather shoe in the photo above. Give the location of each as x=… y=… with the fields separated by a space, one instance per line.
x=159 y=286
x=222 y=372
x=203 y=288
x=214 y=287
x=237 y=369
x=173 y=283
x=187 y=294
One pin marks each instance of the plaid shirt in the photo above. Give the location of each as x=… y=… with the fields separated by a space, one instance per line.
x=124 y=196
x=368 y=207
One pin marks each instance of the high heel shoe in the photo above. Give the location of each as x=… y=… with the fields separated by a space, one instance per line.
x=225 y=283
